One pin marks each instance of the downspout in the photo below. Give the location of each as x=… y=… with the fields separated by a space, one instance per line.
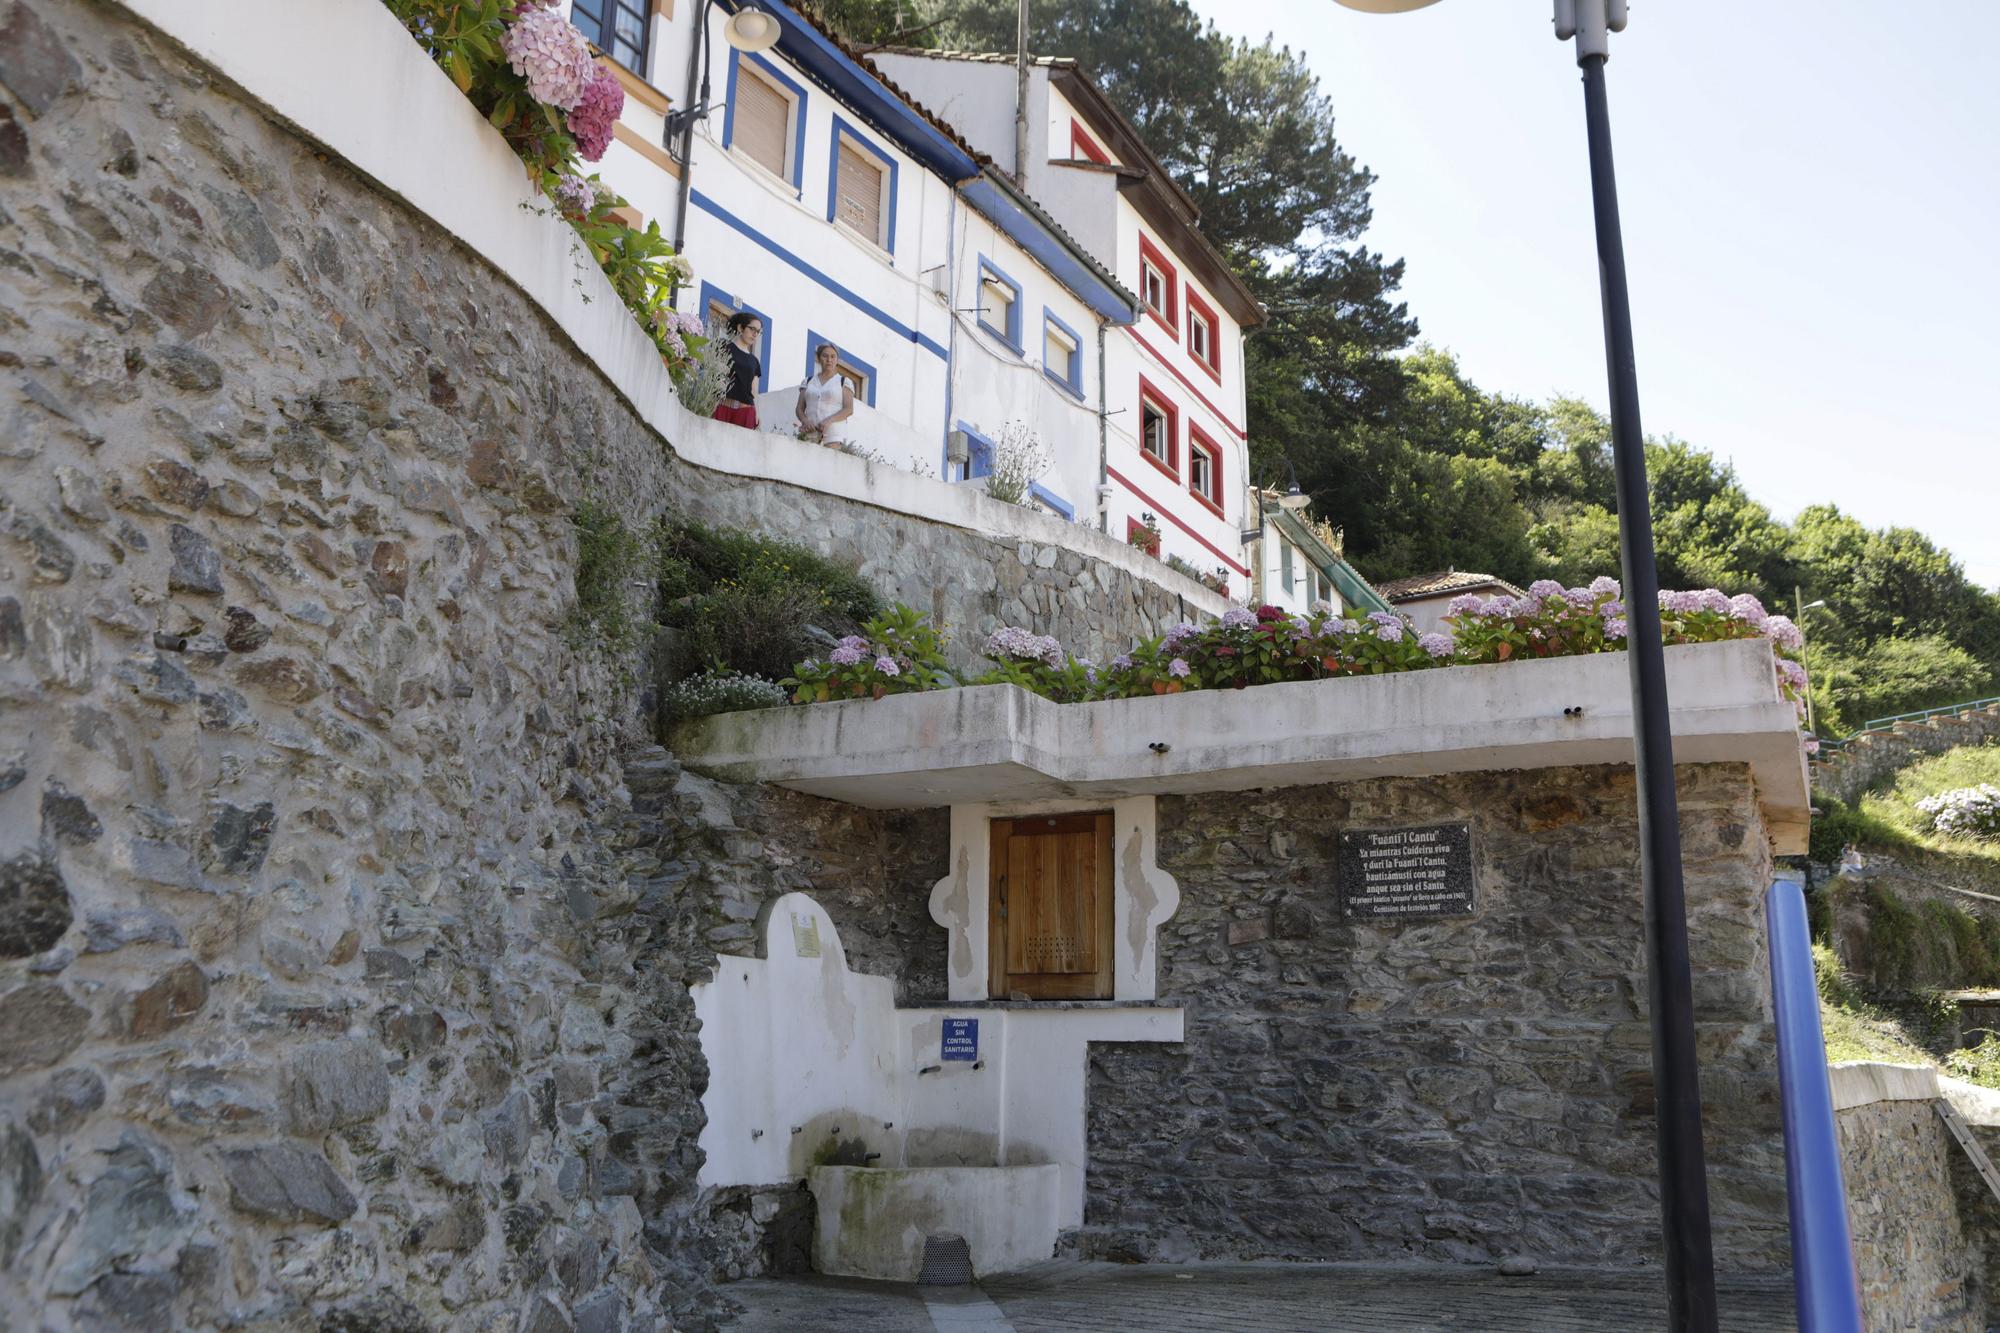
x=1103 y=437
x=951 y=320
x=697 y=63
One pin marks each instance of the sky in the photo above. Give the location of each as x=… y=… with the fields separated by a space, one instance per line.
x=1810 y=192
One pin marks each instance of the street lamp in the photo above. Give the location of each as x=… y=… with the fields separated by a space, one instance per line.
x=1689 y=1254
x=1800 y=606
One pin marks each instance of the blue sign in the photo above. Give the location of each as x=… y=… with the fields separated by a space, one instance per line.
x=960 y=1040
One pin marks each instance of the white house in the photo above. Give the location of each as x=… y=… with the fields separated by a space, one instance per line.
x=1176 y=448
x=824 y=200
x=1297 y=564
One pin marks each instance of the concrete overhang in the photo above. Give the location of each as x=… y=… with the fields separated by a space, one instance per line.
x=999 y=743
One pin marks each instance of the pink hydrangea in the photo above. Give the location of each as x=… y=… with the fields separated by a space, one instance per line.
x=595 y=113
x=1437 y=645
x=1238 y=618
x=1746 y=607
x=551 y=55
x=1781 y=631
x=1178 y=668
x=887 y=666
x=1466 y=604
x=1604 y=585
x=1614 y=628
x=844 y=656
x=1541 y=588
x=574 y=194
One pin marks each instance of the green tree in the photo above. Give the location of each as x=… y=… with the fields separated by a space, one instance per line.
x=1894 y=675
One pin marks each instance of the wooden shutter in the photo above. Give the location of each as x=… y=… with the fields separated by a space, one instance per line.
x=860 y=197
x=1052 y=907
x=763 y=116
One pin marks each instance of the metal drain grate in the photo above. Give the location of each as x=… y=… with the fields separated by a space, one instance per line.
x=947 y=1261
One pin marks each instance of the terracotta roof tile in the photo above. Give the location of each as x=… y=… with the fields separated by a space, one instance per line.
x=1442 y=581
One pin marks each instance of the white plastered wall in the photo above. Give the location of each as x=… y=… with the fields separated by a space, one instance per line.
x=1144 y=896
x=804 y=1055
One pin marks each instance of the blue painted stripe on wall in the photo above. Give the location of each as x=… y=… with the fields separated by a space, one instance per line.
x=868 y=308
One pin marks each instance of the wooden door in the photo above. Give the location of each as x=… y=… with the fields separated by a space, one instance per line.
x=1050 y=915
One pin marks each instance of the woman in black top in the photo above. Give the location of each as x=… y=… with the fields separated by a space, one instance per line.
x=739 y=401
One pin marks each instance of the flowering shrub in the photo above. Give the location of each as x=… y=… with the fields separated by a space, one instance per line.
x=531 y=74
x=1270 y=646
x=1966 y=812
x=1146 y=536
x=1020 y=459
x=1215 y=580
x=719 y=692
x=898 y=652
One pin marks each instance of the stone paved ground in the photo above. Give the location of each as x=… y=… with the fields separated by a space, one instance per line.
x=1251 y=1298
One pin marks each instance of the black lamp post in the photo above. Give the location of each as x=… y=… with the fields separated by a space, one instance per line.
x=1689 y=1256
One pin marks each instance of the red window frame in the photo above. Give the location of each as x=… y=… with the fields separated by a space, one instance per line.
x=1200 y=310
x=1172 y=413
x=1170 y=279
x=1083 y=147
x=1198 y=439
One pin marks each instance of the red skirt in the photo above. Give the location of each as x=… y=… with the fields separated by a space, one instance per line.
x=736 y=415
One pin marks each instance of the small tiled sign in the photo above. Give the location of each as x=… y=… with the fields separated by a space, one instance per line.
x=960 y=1040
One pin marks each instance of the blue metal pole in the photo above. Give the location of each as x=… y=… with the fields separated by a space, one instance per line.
x=1823 y=1277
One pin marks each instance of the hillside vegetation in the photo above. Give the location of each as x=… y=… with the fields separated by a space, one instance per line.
x=1915 y=950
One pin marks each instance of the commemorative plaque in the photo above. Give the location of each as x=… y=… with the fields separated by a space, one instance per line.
x=1407 y=873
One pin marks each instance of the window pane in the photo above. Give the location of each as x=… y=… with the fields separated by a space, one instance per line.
x=1153 y=432
x=763 y=116
x=588 y=17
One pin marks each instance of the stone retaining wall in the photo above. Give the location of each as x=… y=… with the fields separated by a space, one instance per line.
x=1869 y=758
x=339 y=984
x=1918 y=1267
x=1458 y=1089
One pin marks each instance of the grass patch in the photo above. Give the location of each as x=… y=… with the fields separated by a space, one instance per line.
x=611 y=558
x=1857 y=1029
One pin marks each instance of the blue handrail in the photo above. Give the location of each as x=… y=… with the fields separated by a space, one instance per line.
x=1824 y=1282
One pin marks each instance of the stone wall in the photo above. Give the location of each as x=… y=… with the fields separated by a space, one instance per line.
x=969 y=583
x=1917 y=1265
x=339 y=983
x=1874 y=755
x=1459 y=1089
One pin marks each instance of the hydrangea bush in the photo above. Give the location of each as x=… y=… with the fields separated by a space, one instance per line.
x=898 y=652
x=532 y=75
x=1270 y=646
x=1965 y=812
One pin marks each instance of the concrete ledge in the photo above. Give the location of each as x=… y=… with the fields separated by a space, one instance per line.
x=1000 y=743
x=1860 y=1082
x=1979 y=1106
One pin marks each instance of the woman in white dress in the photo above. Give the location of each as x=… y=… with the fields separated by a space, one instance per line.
x=825 y=401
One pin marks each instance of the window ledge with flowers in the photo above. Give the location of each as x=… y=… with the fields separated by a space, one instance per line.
x=532 y=75
x=1537 y=684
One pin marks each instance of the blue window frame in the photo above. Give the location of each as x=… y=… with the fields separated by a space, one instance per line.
x=979 y=463
x=1011 y=333
x=813 y=343
x=712 y=296
x=1069 y=376
x=979 y=460
x=617 y=27
x=796 y=168
x=842 y=129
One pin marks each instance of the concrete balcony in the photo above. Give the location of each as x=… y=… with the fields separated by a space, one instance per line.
x=1003 y=744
